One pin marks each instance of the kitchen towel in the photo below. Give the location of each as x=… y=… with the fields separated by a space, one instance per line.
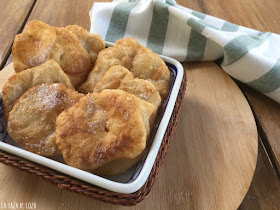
x=167 y=28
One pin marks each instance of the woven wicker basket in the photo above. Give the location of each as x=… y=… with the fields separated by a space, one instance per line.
x=75 y=185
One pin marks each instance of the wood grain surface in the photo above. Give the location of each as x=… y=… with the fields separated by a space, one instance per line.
x=12 y=19
x=267 y=112
x=62 y=13
x=207 y=148
x=213 y=153
x=264 y=192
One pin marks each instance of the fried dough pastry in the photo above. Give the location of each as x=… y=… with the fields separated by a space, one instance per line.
x=40 y=42
x=119 y=166
x=118 y=77
x=141 y=61
x=103 y=127
x=93 y=43
x=31 y=122
x=18 y=84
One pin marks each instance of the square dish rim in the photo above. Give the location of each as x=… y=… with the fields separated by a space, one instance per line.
x=96 y=180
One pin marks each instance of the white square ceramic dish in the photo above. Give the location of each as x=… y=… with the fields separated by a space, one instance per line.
x=128 y=182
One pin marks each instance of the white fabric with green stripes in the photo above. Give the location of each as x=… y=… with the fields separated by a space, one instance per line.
x=247 y=55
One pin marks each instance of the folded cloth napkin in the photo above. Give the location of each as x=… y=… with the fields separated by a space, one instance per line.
x=247 y=55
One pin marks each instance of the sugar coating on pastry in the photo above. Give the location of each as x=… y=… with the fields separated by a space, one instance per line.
x=119 y=77
x=103 y=127
x=93 y=43
x=31 y=122
x=40 y=42
x=141 y=61
x=19 y=83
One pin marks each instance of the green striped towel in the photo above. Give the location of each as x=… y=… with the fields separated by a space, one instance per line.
x=247 y=55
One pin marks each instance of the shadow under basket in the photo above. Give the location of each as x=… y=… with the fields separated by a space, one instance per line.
x=75 y=185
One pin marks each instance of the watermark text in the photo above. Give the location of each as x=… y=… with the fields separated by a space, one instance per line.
x=18 y=205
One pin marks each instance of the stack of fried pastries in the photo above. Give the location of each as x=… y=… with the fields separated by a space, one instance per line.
x=73 y=48
x=71 y=97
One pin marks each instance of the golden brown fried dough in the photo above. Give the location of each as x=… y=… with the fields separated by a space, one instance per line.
x=118 y=77
x=40 y=42
x=149 y=66
x=141 y=61
x=93 y=43
x=31 y=122
x=103 y=127
x=18 y=84
x=119 y=166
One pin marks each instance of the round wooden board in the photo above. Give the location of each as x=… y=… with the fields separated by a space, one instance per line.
x=218 y=138
x=210 y=163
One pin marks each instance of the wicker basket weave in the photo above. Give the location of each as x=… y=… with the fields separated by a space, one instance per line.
x=78 y=186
